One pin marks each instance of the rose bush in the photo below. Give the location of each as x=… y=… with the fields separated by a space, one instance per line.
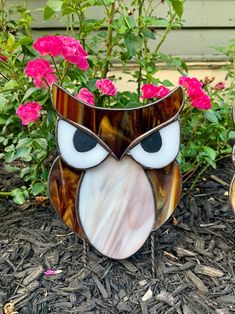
x=80 y=62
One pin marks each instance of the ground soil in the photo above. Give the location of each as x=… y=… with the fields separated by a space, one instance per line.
x=194 y=260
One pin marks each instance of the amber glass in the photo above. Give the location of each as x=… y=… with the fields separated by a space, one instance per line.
x=232 y=185
x=117 y=128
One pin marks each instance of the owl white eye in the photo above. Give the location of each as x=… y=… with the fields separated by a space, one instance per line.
x=78 y=148
x=159 y=148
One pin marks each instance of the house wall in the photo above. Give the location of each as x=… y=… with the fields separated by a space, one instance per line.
x=207 y=23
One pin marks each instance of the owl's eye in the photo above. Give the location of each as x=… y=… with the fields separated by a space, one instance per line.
x=78 y=148
x=160 y=148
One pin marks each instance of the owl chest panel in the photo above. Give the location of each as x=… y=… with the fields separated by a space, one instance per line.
x=116 y=207
x=116 y=180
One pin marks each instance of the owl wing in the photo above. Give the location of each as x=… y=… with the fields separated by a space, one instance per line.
x=166 y=184
x=62 y=188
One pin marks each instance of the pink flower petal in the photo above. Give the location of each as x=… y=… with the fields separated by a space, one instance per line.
x=51 y=272
x=106 y=87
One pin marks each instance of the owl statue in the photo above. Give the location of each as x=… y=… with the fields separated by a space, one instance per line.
x=232 y=185
x=116 y=178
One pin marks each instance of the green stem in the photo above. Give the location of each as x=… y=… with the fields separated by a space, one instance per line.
x=140 y=54
x=81 y=18
x=172 y=18
x=109 y=46
x=2 y=3
x=66 y=67
x=56 y=68
x=198 y=176
x=5 y=193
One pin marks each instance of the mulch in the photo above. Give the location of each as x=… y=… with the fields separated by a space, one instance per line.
x=194 y=260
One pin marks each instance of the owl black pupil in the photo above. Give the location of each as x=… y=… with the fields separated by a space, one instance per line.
x=83 y=142
x=152 y=143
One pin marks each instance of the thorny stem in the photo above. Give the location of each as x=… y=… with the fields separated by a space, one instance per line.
x=109 y=46
x=166 y=32
x=66 y=67
x=81 y=18
x=139 y=78
x=56 y=68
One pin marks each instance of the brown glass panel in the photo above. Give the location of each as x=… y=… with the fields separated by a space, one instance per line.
x=117 y=128
x=62 y=185
x=232 y=194
x=167 y=184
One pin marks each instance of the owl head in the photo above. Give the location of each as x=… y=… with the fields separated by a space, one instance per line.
x=116 y=178
x=232 y=185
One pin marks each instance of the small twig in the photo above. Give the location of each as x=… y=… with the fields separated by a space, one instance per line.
x=4 y=76
x=218 y=180
x=153 y=254
x=84 y=253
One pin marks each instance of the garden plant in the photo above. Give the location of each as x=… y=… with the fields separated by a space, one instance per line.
x=81 y=61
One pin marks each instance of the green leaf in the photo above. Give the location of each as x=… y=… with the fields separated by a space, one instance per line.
x=38 y=188
x=231 y=135
x=29 y=92
x=167 y=83
x=3 y=120
x=12 y=84
x=23 y=142
x=130 y=22
x=25 y=171
x=25 y=40
x=147 y=33
x=9 y=156
x=18 y=196
x=48 y=13
x=211 y=116
x=133 y=43
x=40 y=143
x=177 y=6
x=3 y=100
x=151 y=21
x=55 y=5
x=211 y=153
x=66 y=9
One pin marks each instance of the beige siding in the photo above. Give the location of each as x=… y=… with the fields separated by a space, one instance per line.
x=208 y=23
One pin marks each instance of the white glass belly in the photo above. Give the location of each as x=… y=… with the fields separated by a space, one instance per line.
x=116 y=207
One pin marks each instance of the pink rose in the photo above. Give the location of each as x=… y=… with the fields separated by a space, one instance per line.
x=29 y=112
x=73 y=52
x=149 y=91
x=106 y=87
x=152 y=91
x=184 y=81
x=41 y=71
x=219 y=86
x=194 y=88
x=162 y=91
x=3 y=58
x=86 y=96
x=48 y=45
x=201 y=101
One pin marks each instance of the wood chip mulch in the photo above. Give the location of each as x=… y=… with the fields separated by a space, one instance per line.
x=194 y=255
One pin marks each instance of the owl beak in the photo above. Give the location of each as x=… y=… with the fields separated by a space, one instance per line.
x=116 y=207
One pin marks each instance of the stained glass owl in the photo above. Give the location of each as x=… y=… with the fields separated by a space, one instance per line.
x=116 y=178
